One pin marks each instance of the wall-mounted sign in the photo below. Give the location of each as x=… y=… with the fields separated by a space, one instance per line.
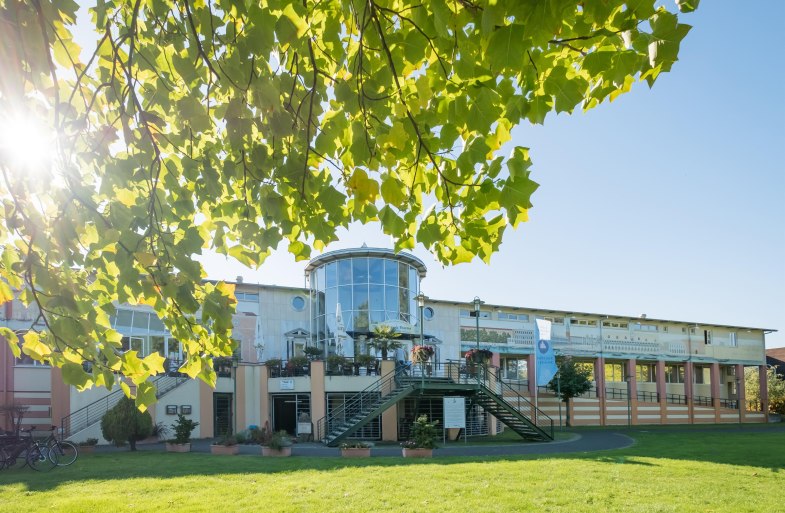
x=171 y=409
x=185 y=409
x=287 y=384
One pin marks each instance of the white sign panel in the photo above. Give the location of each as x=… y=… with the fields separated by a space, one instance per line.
x=287 y=384
x=454 y=412
x=303 y=428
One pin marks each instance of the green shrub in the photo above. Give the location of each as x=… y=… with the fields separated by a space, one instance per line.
x=423 y=434
x=279 y=440
x=183 y=428
x=125 y=423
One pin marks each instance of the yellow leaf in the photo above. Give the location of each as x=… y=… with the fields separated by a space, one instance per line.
x=34 y=347
x=6 y=294
x=145 y=259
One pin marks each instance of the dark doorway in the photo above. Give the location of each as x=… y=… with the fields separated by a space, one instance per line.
x=222 y=409
x=285 y=413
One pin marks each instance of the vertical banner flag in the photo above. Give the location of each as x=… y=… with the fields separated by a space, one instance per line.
x=545 y=361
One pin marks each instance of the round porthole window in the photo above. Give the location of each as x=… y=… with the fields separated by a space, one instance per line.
x=428 y=313
x=298 y=303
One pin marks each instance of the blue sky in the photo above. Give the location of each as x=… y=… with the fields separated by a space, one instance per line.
x=668 y=202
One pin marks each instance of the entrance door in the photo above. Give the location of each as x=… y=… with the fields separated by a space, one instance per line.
x=285 y=413
x=222 y=412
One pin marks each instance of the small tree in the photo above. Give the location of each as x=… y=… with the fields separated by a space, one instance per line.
x=383 y=339
x=125 y=423
x=775 y=386
x=183 y=428
x=571 y=381
x=423 y=434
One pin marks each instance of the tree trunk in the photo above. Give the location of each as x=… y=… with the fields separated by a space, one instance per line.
x=132 y=443
x=384 y=352
x=567 y=402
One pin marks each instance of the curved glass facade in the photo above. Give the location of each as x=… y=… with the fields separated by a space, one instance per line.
x=362 y=289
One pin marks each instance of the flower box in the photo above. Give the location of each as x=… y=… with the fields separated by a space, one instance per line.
x=227 y=450
x=356 y=452
x=417 y=453
x=283 y=452
x=86 y=449
x=172 y=447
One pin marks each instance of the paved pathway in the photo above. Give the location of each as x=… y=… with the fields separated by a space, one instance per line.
x=583 y=442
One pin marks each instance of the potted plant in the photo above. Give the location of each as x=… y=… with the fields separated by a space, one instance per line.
x=313 y=353
x=160 y=431
x=423 y=439
x=226 y=446
x=355 y=450
x=277 y=445
x=365 y=361
x=274 y=364
x=88 y=446
x=421 y=354
x=183 y=428
x=298 y=366
x=335 y=363
x=476 y=358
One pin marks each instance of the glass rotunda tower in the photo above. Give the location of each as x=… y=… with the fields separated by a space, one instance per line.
x=354 y=290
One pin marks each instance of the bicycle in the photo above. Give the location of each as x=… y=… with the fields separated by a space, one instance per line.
x=64 y=451
x=36 y=456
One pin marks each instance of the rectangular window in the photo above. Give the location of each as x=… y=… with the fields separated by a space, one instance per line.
x=583 y=322
x=702 y=375
x=515 y=368
x=124 y=317
x=674 y=374
x=614 y=372
x=133 y=344
x=471 y=313
x=646 y=373
x=141 y=320
x=250 y=297
x=513 y=317
x=732 y=339
x=555 y=320
x=614 y=324
x=587 y=366
x=691 y=330
x=644 y=327
x=707 y=337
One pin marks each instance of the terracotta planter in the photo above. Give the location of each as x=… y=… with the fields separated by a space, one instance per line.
x=417 y=453
x=276 y=453
x=356 y=452
x=172 y=447
x=227 y=450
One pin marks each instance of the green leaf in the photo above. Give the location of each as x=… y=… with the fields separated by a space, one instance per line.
x=12 y=339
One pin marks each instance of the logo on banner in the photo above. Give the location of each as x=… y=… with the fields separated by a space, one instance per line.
x=544 y=347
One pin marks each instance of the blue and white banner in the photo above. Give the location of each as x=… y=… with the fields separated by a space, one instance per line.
x=544 y=359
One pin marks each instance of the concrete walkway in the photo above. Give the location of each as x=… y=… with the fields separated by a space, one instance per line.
x=589 y=440
x=583 y=442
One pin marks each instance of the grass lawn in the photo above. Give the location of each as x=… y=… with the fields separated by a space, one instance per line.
x=666 y=471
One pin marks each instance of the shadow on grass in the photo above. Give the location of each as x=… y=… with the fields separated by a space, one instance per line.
x=763 y=449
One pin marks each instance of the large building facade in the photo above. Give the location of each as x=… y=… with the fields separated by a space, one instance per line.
x=643 y=371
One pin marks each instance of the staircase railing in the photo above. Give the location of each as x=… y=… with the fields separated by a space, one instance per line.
x=356 y=404
x=88 y=415
x=525 y=407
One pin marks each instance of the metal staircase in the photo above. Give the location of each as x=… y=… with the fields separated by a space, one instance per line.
x=88 y=415
x=362 y=408
x=503 y=402
x=514 y=410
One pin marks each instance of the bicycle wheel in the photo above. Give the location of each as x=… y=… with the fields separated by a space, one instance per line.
x=39 y=458
x=64 y=453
